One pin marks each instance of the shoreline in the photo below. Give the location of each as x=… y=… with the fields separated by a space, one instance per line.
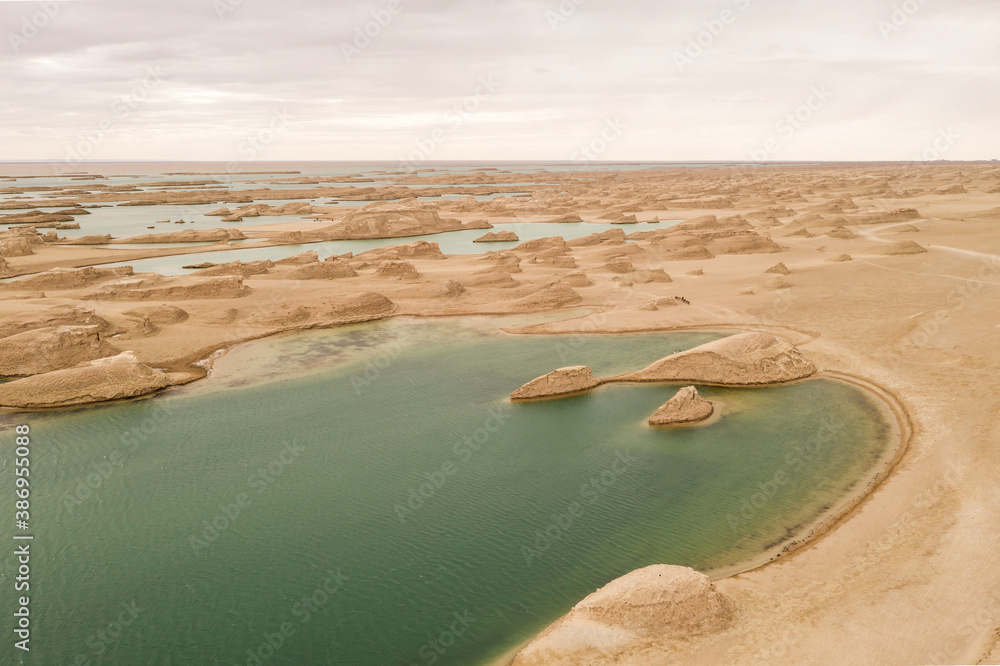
x=804 y=537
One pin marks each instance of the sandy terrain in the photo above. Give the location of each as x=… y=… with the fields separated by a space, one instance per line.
x=884 y=273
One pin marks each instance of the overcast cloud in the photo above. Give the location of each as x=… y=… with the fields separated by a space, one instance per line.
x=194 y=79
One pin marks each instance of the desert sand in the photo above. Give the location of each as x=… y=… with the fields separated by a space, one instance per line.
x=886 y=275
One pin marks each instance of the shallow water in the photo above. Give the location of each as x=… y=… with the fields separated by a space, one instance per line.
x=419 y=486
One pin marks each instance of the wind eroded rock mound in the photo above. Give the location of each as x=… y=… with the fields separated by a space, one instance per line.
x=69 y=278
x=324 y=270
x=745 y=359
x=902 y=248
x=497 y=237
x=685 y=407
x=554 y=296
x=660 y=604
x=558 y=382
x=48 y=349
x=392 y=224
x=188 y=236
x=187 y=288
x=399 y=270
x=368 y=306
x=114 y=378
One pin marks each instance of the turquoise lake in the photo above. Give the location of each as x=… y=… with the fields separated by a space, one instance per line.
x=372 y=491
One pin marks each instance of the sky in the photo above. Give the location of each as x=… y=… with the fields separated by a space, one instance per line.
x=485 y=80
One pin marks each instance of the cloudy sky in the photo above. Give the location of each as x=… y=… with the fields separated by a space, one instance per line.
x=500 y=79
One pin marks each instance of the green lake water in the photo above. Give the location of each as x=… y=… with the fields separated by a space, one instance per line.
x=375 y=495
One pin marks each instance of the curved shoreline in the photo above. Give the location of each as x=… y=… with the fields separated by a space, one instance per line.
x=803 y=538
x=830 y=519
x=200 y=366
x=822 y=526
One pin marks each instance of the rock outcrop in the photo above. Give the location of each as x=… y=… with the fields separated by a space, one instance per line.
x=621 y=265
x=60 y=315
x=187 y=288
x=568 y=218
x=555 y=296
x=244 y=268
x=658 y=605
x=369 y=306
x=69 y=278
x=902 y=248
x=392 y=224
x=113 y=378
x=742 y=242
x=507 y=261
x=654 y=275
x=307 y=257
x=331 y=269
x=159 y=315
x=497 y=237
x=47 y=349
x=495 y=277
x=416 y=250
x=778 y=269
x=657 y=303
x=19 y=242
x=577 y=280
x=558 y=382
x=685 y=407
x=746 y=359
x=842 y=233
x=188 y=236
x=94 y=239
x=399 y=270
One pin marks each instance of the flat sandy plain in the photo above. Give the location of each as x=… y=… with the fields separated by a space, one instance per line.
x=893 y=278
